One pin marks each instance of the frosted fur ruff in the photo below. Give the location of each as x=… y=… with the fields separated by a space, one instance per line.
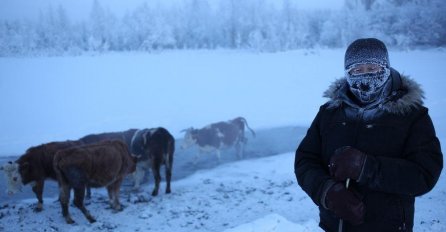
x=411 y=98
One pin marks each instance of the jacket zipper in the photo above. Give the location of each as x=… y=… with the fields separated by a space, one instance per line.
x=359 y=118
x=358 y=123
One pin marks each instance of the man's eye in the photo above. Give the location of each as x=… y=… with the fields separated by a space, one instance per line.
x=356 y=71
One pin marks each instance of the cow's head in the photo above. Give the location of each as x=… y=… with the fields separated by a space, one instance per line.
x=140 y=147
x=190 y=138
x=132 y=165
x=132 y=168
x=13 y=177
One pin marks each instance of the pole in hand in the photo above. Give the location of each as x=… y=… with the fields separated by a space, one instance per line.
x=341 y=222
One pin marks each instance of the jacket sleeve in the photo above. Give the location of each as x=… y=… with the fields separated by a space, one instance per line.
x=311 y=172
x=414 y=174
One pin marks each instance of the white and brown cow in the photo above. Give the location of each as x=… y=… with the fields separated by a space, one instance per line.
x=102 y=164
x=34 y=167
x=153 y=148
x=217 y=136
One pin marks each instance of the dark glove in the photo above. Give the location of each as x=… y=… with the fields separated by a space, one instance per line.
x=345 y=204
x=347 y=162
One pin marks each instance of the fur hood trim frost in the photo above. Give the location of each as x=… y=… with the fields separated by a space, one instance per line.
x=407 y=96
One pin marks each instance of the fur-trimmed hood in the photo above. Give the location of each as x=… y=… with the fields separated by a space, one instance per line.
x=406 y=95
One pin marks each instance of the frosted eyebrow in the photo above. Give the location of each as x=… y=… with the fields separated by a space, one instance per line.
x=364 y=68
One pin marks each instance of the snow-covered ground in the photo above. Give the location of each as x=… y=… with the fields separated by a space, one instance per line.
x=211 y=200
x=50 y=99
x=251 y=195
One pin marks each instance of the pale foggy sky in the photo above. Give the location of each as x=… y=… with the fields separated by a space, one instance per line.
x=80 y=9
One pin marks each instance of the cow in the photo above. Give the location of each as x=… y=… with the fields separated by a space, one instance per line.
x=36 y=164
x=153 y=148
x=217 y=136
x=34 y=167
x=102 y=164
x=125 y=136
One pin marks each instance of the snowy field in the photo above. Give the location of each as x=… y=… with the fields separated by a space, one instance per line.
x=57 y=98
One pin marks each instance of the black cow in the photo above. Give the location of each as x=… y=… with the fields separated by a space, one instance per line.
x=217 y=136
x=153 y=148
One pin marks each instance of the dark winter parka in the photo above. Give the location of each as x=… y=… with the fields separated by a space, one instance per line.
x=404 y=155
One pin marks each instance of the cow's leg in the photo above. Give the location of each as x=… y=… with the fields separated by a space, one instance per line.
x=79 y=194
x=239 y=150
x=38 y=190
x=64 y=197
x=242 y=150
x=217 y=152
x=243 y=143
x=88 y=189
x=243 y=139
x=113 y=194
x=138 y=175
x=76 y=178
x=197 y=156
x=168 y=173
x=156 y=164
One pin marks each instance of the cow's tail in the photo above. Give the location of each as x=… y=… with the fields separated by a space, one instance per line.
x=246 y=124
x=56 y=167
x=170 y=150
x=128 y=161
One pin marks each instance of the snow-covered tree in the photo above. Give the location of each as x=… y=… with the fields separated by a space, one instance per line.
x=235 y=24
x=13 y=38
x=102 y=24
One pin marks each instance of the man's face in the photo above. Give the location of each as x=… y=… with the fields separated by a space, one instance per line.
x=367 y=80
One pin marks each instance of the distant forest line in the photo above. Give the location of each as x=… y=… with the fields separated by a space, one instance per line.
x=229 y=24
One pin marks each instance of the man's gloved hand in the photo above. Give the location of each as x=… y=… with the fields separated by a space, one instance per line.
x=347 y=162
x=345 y=204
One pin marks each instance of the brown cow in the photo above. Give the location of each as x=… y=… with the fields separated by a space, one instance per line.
x=217 y=136
x=34 y=167
x=103 y=164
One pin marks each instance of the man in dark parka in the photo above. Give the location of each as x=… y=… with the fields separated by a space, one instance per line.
x=372 y=147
